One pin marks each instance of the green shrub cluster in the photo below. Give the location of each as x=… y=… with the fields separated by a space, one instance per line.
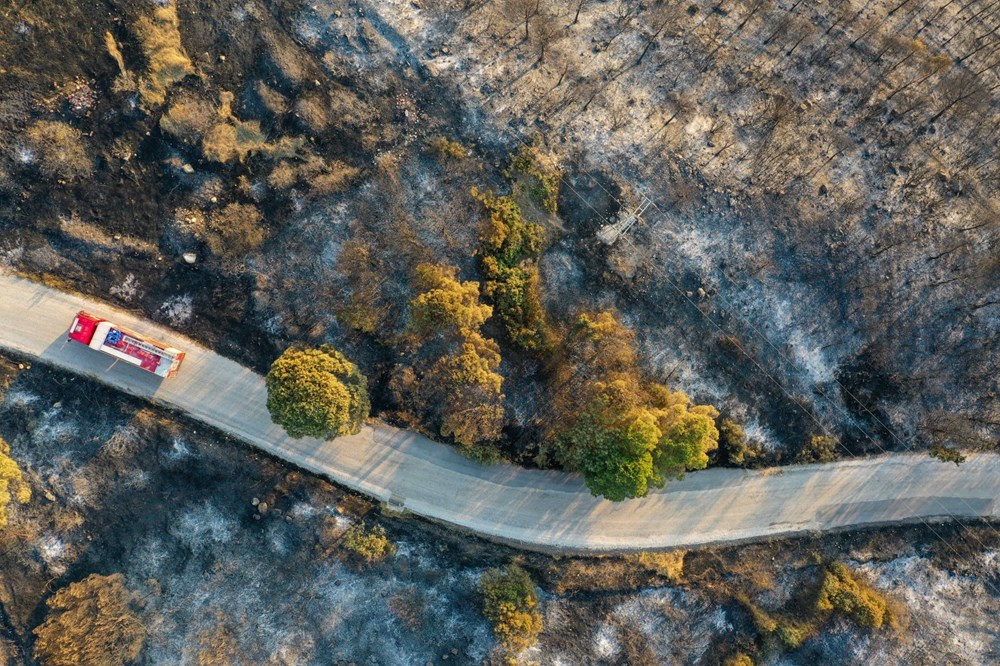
x=542 y=173
x=509 y=250
x=734 y=447
x=510 y=603
x=370 y=543
x=819 y=449
x=843 y=592
x=444 y=148
x=459 y=385
x=948 y=454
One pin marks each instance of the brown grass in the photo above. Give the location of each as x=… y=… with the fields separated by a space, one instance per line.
x=60 y=150
x=168 y=63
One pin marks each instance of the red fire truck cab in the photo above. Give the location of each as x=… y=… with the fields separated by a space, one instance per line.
x=129 y=346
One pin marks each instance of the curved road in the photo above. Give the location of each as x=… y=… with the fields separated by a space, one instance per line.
x=535 y=509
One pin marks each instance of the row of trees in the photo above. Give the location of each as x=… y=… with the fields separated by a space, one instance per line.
x=624 y=435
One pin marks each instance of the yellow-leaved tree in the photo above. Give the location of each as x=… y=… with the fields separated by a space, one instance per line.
x=459 y=385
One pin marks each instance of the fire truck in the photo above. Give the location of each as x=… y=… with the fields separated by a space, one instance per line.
x=150 y=355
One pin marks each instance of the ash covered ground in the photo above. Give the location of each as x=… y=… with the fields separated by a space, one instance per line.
x=820 y=255
x=122 y=488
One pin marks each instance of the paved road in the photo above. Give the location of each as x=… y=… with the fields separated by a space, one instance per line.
x=536 y=509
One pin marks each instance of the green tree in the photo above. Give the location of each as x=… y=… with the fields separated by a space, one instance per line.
x=90 y=623
x=316 y=392
x=472 y=409
x=624 y=448
x=625 y=436
x=459 y=388
x=12 y=483
x=510 y=603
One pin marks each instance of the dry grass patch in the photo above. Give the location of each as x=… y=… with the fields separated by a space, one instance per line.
x=59 y=150
x=168 y=62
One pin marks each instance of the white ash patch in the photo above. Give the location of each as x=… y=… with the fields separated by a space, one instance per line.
x=54 y=428
x=179 y=450
x=53 y=551
x=24 y=155
x=202 y=526
x=18 y=398
x=178 y=310
x=302 y=511
x=604 y=642
x=128 y=289
x=136 y=479
x=11 y=255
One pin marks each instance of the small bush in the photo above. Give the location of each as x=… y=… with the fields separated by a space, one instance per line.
x=313 y=111
x=445 y=149
x=372 y=544
x=819 y=449
x=510 y=603
x=483 y=453
x=322 y=177
x=739 y=659
x=543 y=174
x=188 y=119
x=842 y=591
x=60 y=150
x=161 y=42
x=948 y=454
x=734 y=447
x=90 y=623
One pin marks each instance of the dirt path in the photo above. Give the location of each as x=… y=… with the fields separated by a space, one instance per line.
x=535 y=509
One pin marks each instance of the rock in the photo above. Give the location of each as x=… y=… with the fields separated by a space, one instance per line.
x=255 y=501
x=189 y=257
x=262 y=507
x=187 y=168
x=49 y=496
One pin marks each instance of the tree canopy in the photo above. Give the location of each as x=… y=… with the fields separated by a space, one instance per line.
x=458 y=382
x=625 y=436
x=316 y=392
x=445 y=305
